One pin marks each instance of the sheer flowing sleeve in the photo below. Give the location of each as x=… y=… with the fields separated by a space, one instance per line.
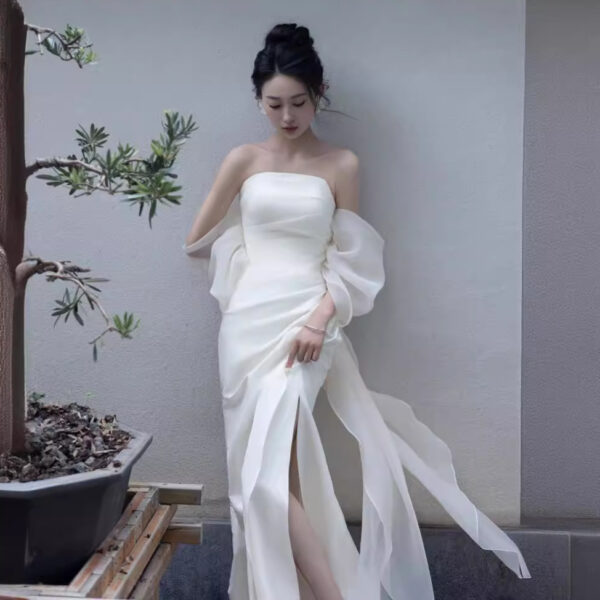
x=353 y=267
x=225 y=248
x=391 y=440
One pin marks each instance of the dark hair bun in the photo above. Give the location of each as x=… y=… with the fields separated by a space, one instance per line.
x=289 y=50
x=289 y=33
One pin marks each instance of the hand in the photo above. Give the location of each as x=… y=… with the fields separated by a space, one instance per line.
x=306 y=346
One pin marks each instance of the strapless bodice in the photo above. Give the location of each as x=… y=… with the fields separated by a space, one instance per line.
x=286 y=219
x=284 y=236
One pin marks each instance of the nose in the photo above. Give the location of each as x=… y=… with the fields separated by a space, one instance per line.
x=287 y=116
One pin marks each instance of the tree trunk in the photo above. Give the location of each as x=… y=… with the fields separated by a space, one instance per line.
x=13 y=207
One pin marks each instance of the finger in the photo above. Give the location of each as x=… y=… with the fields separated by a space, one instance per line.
x=316 y=354
x=309 y=354
x=292 y=354
x=302 y=353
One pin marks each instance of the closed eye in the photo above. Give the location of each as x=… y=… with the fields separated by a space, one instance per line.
x=298 y=105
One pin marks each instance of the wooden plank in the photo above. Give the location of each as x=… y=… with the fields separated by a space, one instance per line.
x=131 y=569
x=38 y=589
x=106 y=551
x=104 y=564
x=149 y=582
x=183 y=532
x=40 y=598
x=173 y=493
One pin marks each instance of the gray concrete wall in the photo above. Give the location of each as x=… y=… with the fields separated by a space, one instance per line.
x=436 y=92
x=561 y=255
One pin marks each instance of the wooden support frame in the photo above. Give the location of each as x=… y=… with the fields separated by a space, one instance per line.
x=134 y=556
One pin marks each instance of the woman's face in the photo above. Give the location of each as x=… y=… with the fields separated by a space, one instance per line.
x=287 y=104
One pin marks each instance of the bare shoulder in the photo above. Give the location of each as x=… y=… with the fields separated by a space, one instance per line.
x=347 y=162
x=234 y=167
x=239 y=157
x=343 y=164
x=347 y=168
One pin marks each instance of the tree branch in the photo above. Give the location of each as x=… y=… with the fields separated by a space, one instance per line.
x=57 y=43
x=65 y=271
x=44 y=163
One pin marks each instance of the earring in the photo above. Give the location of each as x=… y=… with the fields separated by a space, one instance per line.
x=261 y=107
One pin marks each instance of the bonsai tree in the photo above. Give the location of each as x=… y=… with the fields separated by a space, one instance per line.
x=144 y=182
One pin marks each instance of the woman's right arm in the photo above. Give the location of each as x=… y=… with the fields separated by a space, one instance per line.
x=226 y=185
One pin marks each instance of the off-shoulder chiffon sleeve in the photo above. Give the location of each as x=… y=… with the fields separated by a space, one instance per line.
x=353 y=267
x=224 y=246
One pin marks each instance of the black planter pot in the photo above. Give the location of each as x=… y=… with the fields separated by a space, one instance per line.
x=49 y=528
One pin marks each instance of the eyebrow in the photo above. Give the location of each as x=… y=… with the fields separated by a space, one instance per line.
x=294 y=96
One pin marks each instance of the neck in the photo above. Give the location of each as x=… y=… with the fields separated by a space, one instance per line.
x=287 y=148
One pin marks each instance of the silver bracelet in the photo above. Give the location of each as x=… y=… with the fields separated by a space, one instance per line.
x=315 y=329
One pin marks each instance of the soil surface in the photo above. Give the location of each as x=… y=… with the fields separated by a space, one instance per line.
x=62 y=440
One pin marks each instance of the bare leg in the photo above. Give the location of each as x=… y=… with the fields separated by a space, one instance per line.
x=304 y=587
x=309 y=556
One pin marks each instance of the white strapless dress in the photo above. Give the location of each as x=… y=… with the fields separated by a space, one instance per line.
x=281 y=246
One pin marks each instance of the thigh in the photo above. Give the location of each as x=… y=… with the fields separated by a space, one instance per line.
x=293 y=472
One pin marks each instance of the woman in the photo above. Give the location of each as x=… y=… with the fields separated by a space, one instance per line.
x=291 y=263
